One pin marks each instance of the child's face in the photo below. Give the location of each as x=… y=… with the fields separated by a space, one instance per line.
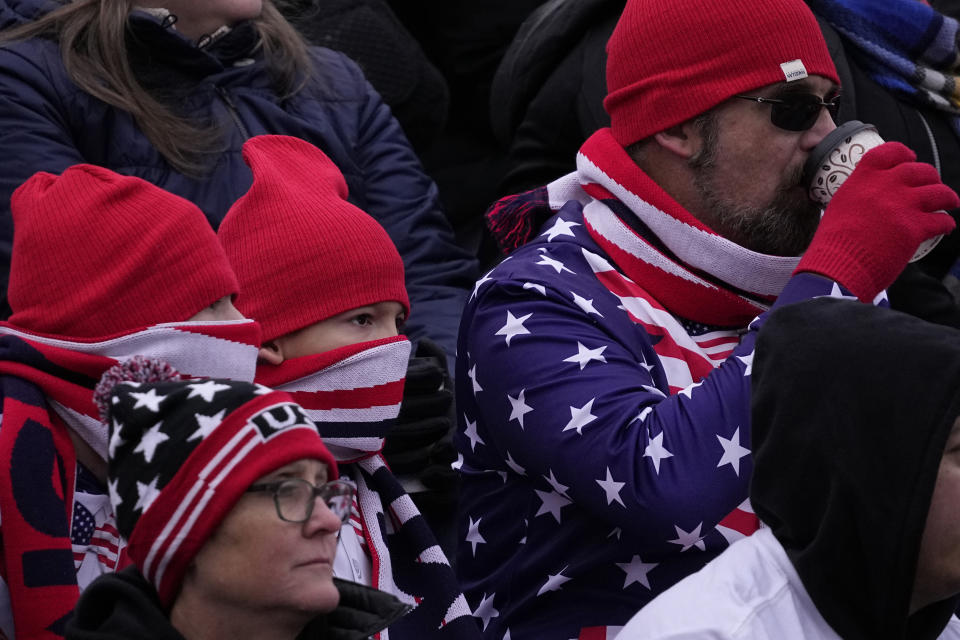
x=372 y=322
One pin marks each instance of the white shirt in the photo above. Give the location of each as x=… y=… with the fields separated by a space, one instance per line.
x=749 y=592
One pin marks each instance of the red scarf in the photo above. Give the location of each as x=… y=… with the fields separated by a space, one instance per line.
x=46 y=389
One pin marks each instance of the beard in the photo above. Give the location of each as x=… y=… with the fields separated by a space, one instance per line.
x=783 y=227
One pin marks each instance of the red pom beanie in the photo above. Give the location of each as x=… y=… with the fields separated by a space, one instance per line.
x=96 y=254
x=671 y=60
x=301 y=252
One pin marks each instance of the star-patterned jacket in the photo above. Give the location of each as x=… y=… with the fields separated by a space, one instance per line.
x=604 y=409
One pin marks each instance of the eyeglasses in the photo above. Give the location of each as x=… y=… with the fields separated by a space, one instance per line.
x=797 y=111
x=294 y=498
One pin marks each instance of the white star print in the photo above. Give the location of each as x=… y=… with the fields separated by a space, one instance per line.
x=514 y=327
x=648 y=367
x=656 y=452
x=518 y=407
x=553 y=502
x=616 y=532
x=206 y=390
x=150 y=400
x=150 y=440
x=503 y=476
x=637 y=571
x=471 y=433
x=560 y=228
x=586 y=305
x=485 y=610
x=612 y=488
x=691 y=539
x=473 y=535
x=653 y=390
x=457 y=464
x=643 y=413
x=557 y=486
x=520 y=471
x=206 y=425
x=506 y=636
x=536 y=287
x=261 y=390
x=116 y=440
x=547 y=261
x=472 y=374
x=689 y=390
x=583 y=356
x=732 y=451
x=579 y=418
x=115 y=498
x=554 y=582
x=146 y=493
x=480 y=282
x=747 y=360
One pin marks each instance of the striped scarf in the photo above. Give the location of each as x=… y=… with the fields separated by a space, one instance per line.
x=905 y=45
x=46 y=389
x=353 y=394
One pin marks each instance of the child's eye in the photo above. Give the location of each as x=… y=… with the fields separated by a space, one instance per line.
x=363 y=319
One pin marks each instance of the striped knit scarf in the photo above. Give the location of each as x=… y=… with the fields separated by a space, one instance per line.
x=353 y=394
x=37 y=458
x=905 y=46
x=690 y=269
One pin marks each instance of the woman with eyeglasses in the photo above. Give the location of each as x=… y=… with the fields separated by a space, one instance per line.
x=231 y=505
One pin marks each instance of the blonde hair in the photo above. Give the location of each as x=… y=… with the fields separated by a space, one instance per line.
x=93 y=44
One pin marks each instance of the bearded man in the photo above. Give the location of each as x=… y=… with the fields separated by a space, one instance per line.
x=605 y=365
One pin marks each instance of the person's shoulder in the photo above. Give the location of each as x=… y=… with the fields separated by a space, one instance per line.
x=335 y=74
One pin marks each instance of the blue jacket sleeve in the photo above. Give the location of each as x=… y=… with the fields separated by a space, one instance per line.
x=584 y=412
x=400 y=195
x=35 y=133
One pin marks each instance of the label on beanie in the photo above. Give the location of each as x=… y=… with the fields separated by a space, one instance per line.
x=793 y=70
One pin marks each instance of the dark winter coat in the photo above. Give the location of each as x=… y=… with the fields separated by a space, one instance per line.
x=48 y=124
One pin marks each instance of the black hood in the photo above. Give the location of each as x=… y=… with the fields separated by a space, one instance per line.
x=852 y=407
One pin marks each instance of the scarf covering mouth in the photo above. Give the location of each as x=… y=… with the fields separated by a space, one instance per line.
x=353 y=394
x=46 y=389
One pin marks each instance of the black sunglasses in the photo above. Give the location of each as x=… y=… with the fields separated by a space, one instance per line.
x=797 y=111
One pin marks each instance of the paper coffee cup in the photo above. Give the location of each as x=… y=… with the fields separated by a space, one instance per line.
x=833 y=160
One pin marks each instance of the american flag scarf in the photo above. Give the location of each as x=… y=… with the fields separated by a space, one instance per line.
x=353 y=394
x=46 y=389
x=906 y=46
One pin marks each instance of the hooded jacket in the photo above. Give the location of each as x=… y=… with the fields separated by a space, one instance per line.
x=48 y=123
x=852 y=406
x=123 y=605
x=845 y=462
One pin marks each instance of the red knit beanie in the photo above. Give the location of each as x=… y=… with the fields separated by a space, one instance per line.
x=671 y=60
x=301 y=252
x=96 y=254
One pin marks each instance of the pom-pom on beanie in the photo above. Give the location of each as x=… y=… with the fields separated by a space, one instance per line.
x=96 y=253
x=671 y=60
x=183 y=452
x=301 y=252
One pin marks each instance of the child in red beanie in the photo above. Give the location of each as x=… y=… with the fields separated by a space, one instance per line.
x=326 y=285
x=104 y=267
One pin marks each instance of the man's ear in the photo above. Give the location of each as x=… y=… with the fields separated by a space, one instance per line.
x=271 y=352
x=683 y=139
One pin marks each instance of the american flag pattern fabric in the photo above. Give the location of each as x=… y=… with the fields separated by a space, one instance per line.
x=604 y=436
x=354 y=394
x=46 y=389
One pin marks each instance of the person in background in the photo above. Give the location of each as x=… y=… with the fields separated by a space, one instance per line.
x=168 y=91
x=331 y=336
x=856 y=475
x=604 y=408
x=152 y=279
x=216 y=484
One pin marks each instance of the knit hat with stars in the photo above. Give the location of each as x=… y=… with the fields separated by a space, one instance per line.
x=182 y=452
x=303 y=253
x=671 y=60
x=96 y=253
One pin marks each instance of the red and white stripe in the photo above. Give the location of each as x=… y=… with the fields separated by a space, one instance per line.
x=685 y=359
x=739 y=523
x=599 y=633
